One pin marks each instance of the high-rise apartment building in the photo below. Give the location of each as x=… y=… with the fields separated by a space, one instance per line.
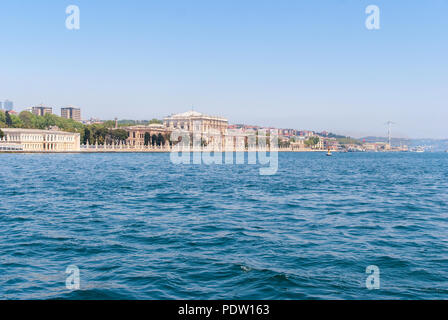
x=8 y=105
x=41 y=110
x=71 y=113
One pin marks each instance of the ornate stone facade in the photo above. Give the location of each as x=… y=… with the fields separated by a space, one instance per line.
x=41 y=140
x=158 y=135
x=210 y=127
x=206 y=124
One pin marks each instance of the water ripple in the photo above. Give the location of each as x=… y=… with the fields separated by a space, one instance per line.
x=139 y=227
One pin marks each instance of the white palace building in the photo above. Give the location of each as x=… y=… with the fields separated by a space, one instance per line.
x=187 y=120
x=33 y=140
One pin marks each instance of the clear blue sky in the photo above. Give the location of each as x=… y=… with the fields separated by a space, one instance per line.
x=286 y=63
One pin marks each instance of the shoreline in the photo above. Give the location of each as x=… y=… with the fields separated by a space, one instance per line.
x=165 y=151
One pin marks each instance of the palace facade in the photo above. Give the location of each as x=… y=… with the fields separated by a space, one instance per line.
x=211 y=128
x=159 y=135
x=204 y=123
x=30 y=140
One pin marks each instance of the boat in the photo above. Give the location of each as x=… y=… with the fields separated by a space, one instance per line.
x=420 y=150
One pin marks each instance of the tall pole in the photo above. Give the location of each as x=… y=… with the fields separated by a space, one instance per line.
x=389 y=131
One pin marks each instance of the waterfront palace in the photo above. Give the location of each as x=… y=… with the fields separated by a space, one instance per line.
x=186 y=120
x=207 y=125
x=158 y=135
x=30 y=140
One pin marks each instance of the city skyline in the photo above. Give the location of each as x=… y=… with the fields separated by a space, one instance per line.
x=6 y=105
x=285 y=64
x=64 y=114
x=78 y=117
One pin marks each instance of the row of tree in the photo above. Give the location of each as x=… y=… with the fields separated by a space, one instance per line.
x=31 y=121
x=98 y=133
x=154 y=140
x=127 y=123
x=7 y=120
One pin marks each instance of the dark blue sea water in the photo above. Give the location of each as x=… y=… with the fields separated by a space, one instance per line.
x=139 y=227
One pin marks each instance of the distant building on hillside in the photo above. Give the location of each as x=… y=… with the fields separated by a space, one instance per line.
x=298 y=144
x=305 y=133
x=41 y=110
x=244 y=127
x=73 y=113
x=320 y=144
x=92 y=121
x=331 y=143
x=288 y=132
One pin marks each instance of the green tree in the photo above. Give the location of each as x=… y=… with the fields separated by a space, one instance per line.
x=283 y=143
x=348 y=140
x=2 y=134
x=118 y=135
x=87 y=137
x=100 y=134
x=109 y=124
x=147 y=139
x=160 y=140
x=311 y=142
x=153 y=139
x=8 y=119
x=157 y=121
x=27 y=119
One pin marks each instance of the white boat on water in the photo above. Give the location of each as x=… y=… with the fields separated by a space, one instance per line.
x=419 y=149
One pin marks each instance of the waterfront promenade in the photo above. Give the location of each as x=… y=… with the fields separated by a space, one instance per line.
x=155 y=149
